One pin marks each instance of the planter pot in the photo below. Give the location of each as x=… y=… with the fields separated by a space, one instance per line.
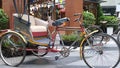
x=110 y=30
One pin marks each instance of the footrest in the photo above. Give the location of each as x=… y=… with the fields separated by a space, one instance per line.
x=41 y=42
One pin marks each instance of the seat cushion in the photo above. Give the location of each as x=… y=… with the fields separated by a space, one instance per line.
x=41 y=22
x=32 y=20
x=38 y=31
x=25 y=17
x=38 y=28
x=39 y=34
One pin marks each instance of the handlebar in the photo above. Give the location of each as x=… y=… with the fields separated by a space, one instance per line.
x=77 y=14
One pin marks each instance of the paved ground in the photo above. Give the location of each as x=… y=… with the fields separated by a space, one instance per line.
x=73 y=61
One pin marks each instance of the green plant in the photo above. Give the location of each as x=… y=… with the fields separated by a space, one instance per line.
x=99 y=14
x=88 y=18
x=3 y=20
x=70 y=37
x=111 y=20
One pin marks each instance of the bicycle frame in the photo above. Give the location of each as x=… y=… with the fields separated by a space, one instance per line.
x=82 y=34
x=25 y=31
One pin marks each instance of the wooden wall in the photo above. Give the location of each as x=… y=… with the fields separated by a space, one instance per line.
x=8 y=7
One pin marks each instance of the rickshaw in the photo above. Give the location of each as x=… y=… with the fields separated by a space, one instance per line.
x=96 y=49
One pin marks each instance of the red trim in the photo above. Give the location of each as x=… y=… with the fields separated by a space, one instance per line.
x=35 y=34
x=42 y=50
x=53 y=50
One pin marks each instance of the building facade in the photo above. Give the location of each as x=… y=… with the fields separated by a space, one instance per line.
x=71 y=8
x=109 y=6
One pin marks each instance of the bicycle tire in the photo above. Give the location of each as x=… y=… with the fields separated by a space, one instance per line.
x=118 y=37
x=116 y=31
x=102 y=53
x=12 y=49
x=42 y=51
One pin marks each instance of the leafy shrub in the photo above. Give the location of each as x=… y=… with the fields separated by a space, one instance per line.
x=111 y=20
x=70 y=37
x=88 y=18
x=99 y=14
x=3 y=20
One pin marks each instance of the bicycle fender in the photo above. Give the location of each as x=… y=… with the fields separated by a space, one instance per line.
x=87 y=37
x=10 y=31
x=92 y=32
x=84 y=39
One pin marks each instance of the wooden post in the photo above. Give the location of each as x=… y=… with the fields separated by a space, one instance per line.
x=8 y=7
x=72 y=7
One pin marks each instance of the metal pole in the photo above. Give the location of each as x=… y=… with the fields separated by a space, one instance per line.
x=54 y=11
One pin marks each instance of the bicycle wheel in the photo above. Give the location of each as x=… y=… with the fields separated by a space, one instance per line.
x=116 y=31
x=103 y=52
x=118 y=37
x=92 y=28
x=12 y=49
x=40 y=51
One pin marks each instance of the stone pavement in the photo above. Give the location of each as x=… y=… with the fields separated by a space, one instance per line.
x=73 y=61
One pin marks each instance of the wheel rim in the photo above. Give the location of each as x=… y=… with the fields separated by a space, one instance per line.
x=105 y=55
x=12 y=49
x=40 y=51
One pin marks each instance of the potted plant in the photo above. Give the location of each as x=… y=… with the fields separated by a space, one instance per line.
x=88 y=18
x=3 y=20
x=69 y=39
x=111 y=23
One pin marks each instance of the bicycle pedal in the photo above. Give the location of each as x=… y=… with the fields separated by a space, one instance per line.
x=56 y=57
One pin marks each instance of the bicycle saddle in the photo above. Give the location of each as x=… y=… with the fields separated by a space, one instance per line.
x=60 y=21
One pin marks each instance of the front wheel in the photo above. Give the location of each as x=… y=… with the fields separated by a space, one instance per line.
x=103 y=52
x=92 y=28
x=12 y=48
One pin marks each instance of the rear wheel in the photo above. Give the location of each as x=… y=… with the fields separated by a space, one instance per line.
x=40 y=51
x=103 y=52
x=12 y=49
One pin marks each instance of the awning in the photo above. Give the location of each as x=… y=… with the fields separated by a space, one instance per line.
x=95 y=1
